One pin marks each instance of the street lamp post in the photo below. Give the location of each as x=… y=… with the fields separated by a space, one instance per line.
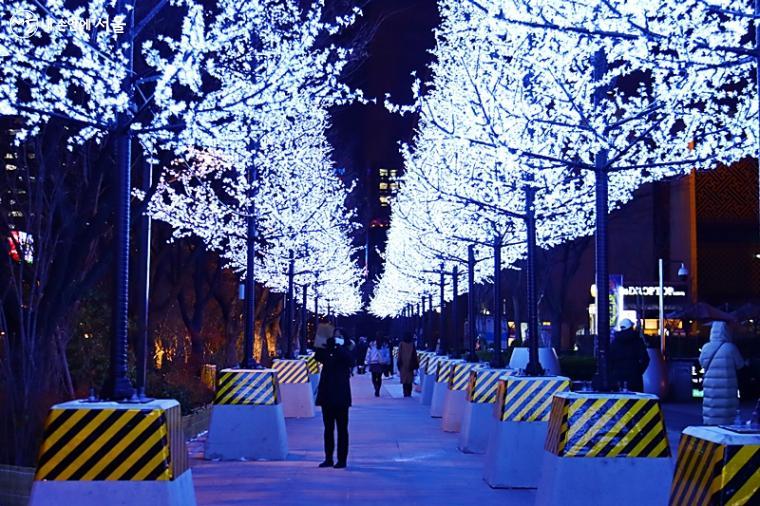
x=455 y=347
x=289 y=313
x=430 y=322
x=497 y=361
x=442 y=338
x=143 y=279
x=683 y=273
x=533 y=368
x=471 y=355
x=304 y=319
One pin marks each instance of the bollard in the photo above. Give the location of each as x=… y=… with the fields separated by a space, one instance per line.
x=423 y=357
x=441 y=386
x=247 y=419
x=619 y=439
x=428 y=381
x=518 y=430
x=547 y=357
x=478 y=410
x=315 y=370
x=96 y=453
x=296 y=391
x=717 y=466
x=456 y=395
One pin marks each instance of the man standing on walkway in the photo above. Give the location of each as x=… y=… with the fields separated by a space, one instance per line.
x=334 y=395
x=407 y=363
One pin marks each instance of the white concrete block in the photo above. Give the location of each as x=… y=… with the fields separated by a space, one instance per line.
x=247 y=432
x=177 y=492
x=547 y=357
x=476 y=426
x=453 y=410
x=514 y=454
x=624 y=481
x=438 y=399
x=297 y=400
x=428 y=385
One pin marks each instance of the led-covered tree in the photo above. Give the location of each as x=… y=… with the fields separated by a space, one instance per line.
x=117 y=71
x=562 y=98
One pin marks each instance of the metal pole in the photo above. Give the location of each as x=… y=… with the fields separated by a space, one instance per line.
x=455 y=346
x=290 y=302
x=601 y=380
x=316 y=312
x=497 y=361
x=143 y=279
x=250 y=280
x=442 y=320
x=304 y=320
x=118 y=387
x=430 y=323
x=661 y=298
x=533 y=368
x=471 y=355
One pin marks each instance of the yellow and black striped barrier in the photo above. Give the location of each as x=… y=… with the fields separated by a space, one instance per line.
x=291 y=371
x=715 y=466
x=247 y=387
x=313 y=366
x=483 y=385
x=527 y=399
x=432 y=363
x=459 y=374
x=111 y=442
x=607 y=426
x=443 y=370
x=424 y=358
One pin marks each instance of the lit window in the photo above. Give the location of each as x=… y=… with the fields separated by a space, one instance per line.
x=394 y=186
x=385 y=200
x=10 y=167
x=393 y=172
x=383 y=172
x=9 y=156
x=383 y=186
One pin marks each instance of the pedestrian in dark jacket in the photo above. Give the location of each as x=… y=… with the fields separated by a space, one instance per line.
x=334 y=396
x=407 y=363
x=628 y=358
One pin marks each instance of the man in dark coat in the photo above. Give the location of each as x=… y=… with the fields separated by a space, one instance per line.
x=334 y=395
x=628 y=358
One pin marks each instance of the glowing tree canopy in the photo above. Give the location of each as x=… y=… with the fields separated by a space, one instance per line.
x=547 y=94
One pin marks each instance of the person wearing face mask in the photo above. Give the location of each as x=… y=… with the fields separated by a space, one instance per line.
x=334 y=395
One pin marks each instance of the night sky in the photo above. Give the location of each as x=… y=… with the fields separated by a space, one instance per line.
x=365 y=137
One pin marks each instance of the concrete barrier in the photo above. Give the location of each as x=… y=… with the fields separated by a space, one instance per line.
x=605 y=449
x=295 y=388
x=423 y=357
x=428 y=380
x=717 y=466
x=547 y=357
x=315 y=370
x=656 y=375
x=478 y=410
x=441 y=386
x=110 y=453
x=456 y=395
x=518 y=429
x=247 y=420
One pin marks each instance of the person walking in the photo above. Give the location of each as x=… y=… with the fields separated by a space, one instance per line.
x=408 y=362
x=375 y=361
x=628 y=358
x=361 y=355
x=385 y=351
x=720 y=358
x=334 y=395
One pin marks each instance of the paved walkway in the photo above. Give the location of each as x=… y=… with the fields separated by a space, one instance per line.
x=398 y=456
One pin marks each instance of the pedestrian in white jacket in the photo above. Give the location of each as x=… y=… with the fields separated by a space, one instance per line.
x=720 y=358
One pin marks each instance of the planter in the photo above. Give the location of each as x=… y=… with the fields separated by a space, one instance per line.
x=15 y=485
x=546 y=356
x=656 y=375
